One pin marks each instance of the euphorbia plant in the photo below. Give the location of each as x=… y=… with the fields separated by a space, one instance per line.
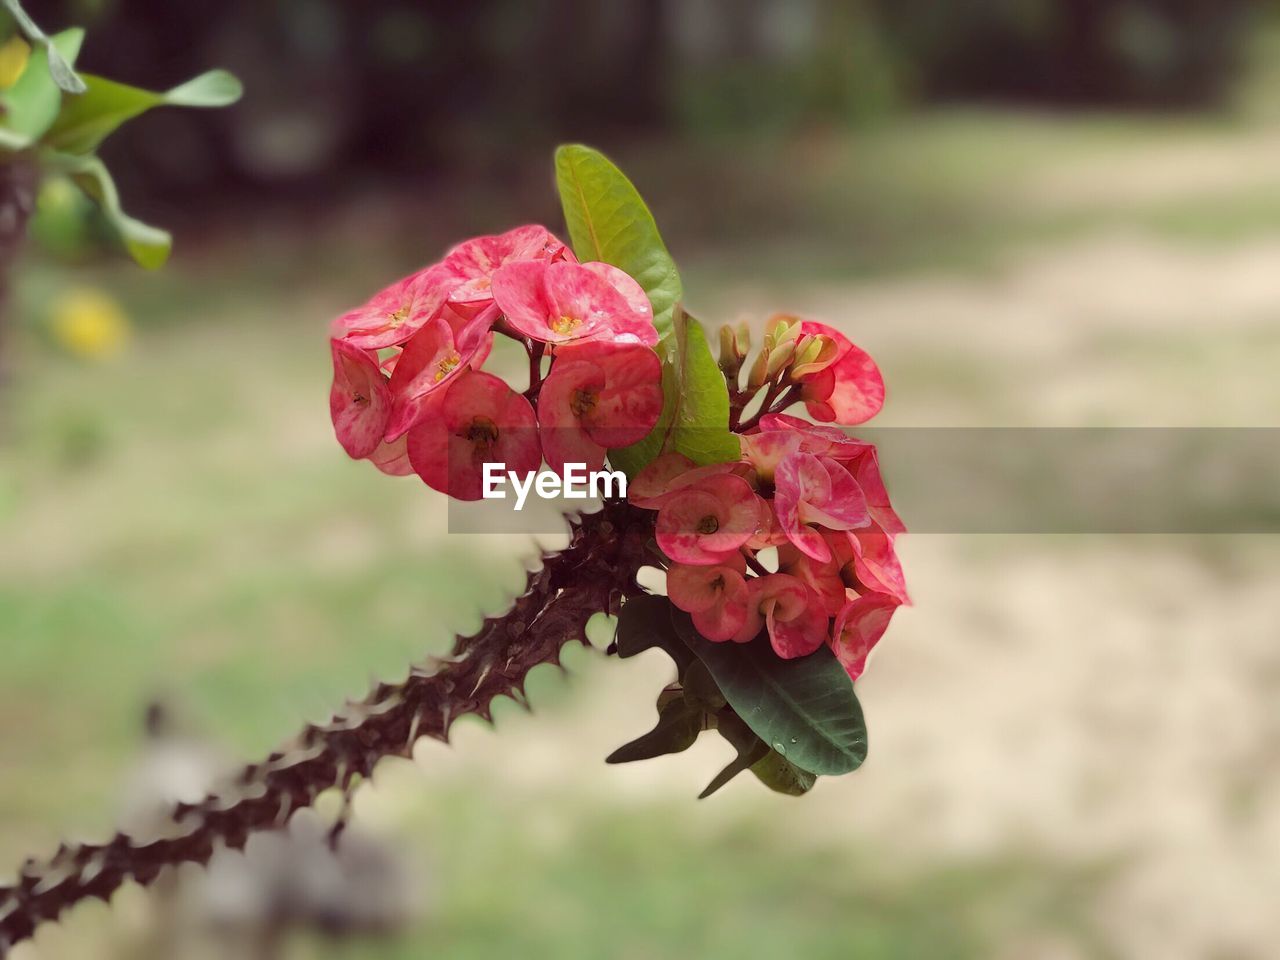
x=775 y=534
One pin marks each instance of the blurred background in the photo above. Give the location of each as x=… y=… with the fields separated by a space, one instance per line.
x=1031 y=212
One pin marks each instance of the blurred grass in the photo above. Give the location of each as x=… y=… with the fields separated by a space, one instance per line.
x=179 y=522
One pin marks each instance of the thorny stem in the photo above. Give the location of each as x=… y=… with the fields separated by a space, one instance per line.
x=595 y=573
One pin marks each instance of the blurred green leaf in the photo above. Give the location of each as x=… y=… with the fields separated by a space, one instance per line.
x=55 y=62
x=32 y=103
x=804 y=708
x=644 y=623
x=782 y=776
x=695 y=410
x=608 y=221
x=149 y=246
x=678 y=727
x=87 y=120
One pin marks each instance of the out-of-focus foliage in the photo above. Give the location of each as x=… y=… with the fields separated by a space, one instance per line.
x=344 y=91
x=52 y=119
x=1154 y=53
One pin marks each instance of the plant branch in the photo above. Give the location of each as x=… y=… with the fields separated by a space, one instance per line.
x=593 y=574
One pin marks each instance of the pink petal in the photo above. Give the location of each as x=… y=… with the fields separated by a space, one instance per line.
x=701 y=524
x=859 y=628
x=668 y=473
x=765 y=450
x=652 y=484
x=716 y=596
x=876 y=564
x=393 y=458
x=866 y=470
x=636 y=324
x=395 y=314
x=520 y=291
x=800 y=635
x=564 y=438
x=479 y=257
x=822 y=577
x=359 y=401
x=857 y=387
x=792 y=612
x=799 y=477
x=839 y=504
x=629 y=402
x=480 y=420
x=430 y=361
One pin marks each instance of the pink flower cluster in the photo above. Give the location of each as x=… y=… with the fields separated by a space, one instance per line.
x=812 y=498
x=409 y=392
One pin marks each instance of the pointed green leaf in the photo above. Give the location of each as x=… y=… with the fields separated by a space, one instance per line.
x=608 y=221
x=805 y=708
x=695 y=410
x=149 y=246
x=32 y=103
x=751 y=749
x=55 y=62
x=88 y=119
x=678 y=727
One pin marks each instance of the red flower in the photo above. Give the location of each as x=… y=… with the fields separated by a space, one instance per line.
x=859 y=628
x=700 y=524
x=817 y=491
x=849 y=389
x=447 y=345
x=359 y=402
x=393 y=315
x=478 y=420
x=715 y=596
x=473 y=263
x=791 y=612
x=598 y=396
x=670 y=472
x=562 y=302
x=823 y=576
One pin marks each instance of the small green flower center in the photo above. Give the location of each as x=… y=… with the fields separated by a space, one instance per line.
x=565 y=324
x=445 y=365
x=708 y=525
x=399 y=316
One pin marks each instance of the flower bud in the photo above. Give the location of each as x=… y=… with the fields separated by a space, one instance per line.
x=760 y=369
x=779 y=357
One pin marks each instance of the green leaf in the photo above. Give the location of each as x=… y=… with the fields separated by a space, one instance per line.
x=32 y=103
x=751 y=749
x=608 y=221
x=695 y=410
x=805 y=708
x=644 y=622
x=88 y=119
x=55 y=62
x=678 y=727
x=782 y=776
x=149 y=246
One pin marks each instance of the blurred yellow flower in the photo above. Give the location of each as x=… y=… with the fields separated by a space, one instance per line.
x=14 y=54
x=89 y=324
